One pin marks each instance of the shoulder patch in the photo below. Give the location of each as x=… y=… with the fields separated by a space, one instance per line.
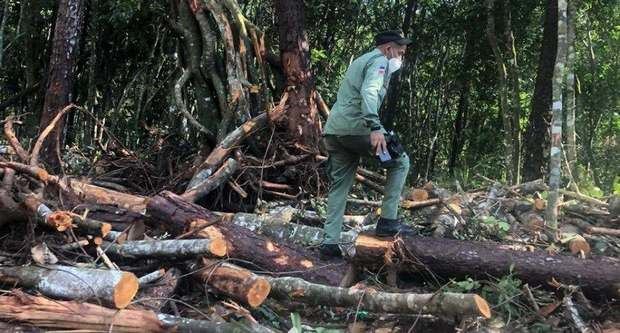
x=381 y=70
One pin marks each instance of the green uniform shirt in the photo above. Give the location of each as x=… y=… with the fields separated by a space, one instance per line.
x=356 y=111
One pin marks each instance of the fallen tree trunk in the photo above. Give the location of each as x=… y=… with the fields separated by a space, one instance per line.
x=283 y=230
x=53 y=314
x=176 y=215
x=236 y=282
x=167 y=249
x=439 y=304
x=598 y=276
x=103 y=196
x=113 y=288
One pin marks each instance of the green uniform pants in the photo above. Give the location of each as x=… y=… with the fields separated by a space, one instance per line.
x=344 y=156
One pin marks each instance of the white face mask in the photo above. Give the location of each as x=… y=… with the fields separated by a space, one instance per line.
x=394 y=64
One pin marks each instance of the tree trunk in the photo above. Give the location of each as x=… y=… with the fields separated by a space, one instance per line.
x=460 y=122
x=448 y=258
x=439 y=304
x=389 y=112
x=167 y=249
x=177 y=216
x=536 y=139
x=302 y=113
x=53 y=314
x=113 y=288
x=61 y=76
x=514 y=91
x=509 y=158
x=571 y=142
x=236 y=282
x=5 y=18
x=555 y=157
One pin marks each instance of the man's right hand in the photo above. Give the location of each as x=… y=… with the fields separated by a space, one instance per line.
x=377 y=141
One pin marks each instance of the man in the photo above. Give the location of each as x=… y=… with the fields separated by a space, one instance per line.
x=353 y=130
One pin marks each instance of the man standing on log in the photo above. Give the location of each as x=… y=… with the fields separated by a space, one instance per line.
x=353 y=130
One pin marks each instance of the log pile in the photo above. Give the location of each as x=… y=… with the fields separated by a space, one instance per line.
x=105 y=258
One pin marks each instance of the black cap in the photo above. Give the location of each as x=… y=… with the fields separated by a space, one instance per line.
x=391 y=36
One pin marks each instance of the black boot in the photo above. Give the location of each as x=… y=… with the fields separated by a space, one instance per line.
x=391 y=227
x=330 y=251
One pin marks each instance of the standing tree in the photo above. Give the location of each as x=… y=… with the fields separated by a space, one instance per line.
x=535 y=138
x=571 y=145
x=302 y=113
x=555 y=158
x=65 y=49
x=511 y=160
x=514 y=90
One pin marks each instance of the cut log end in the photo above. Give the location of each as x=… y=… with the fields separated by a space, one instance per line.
x=105 y=229
x=125 y=290
x=418 y=195
x=578 y=245
x=258 y=292
x=483 y=307
x=218 y=247
x=60 y=221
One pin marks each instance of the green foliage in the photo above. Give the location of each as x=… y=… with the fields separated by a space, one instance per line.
x=484 y=228
x=465 y=286
x=503 y=294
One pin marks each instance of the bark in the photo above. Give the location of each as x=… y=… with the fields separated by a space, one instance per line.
x=238 y=97
x=223 y=149
x=61 y=76
x=555 y=157
x=212 y=182
x=5 y=18
x=283 y=230
x=439 y=304
x=177 y=216
x=53 y=314
x=509 y=156
x=112 y=288
x=514 y=96
x=302 y=113
x=597 y=276
x=571 y=142
x=535 y=138
x=233 y=281
x=460 y=122
x=167 y=249
x=102 y=196
x=156 y=296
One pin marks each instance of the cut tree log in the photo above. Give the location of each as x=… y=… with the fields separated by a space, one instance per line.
x=234 y=281
x=53 y=314
x=112 y=288
x=283 y=230
x=85 y=317
x=103 y=196
x=418 y=194
x=578 y=245
x=176 y=215
x=212 y=182
x=440 y=304
x=167 y=249
x=597 y=276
